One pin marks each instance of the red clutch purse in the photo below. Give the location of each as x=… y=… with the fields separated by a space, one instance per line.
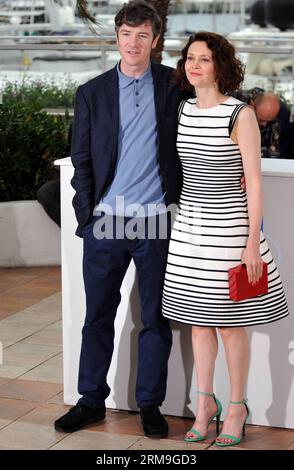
x=239 y=287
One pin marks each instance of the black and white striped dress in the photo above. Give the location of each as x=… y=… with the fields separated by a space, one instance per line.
x=211 y=227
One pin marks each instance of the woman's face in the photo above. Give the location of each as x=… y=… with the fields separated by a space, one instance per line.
x=199 y=66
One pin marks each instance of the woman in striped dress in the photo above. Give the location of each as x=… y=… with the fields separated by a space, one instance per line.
x=217 y=226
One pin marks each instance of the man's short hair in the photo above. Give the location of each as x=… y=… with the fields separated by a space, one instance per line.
x=136 y=13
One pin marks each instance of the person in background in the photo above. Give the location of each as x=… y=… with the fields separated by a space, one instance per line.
x=273 y=117
x=48 y=195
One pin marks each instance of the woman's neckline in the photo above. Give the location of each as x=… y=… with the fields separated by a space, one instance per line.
x=212 y=107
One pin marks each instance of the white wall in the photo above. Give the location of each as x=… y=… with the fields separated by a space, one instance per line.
x=28 y=237
x=270 y=386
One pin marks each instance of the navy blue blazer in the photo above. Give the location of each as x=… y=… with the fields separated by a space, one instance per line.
x=95 y=138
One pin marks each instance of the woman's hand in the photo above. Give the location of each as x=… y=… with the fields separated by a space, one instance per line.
x=251 y=257
x=243 y=183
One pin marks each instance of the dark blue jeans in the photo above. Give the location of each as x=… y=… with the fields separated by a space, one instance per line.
x=105 y=263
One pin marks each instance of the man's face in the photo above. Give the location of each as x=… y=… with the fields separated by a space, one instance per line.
x=135 y=44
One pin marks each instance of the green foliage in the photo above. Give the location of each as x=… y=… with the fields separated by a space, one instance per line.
x=31 y=139
x=44 y=94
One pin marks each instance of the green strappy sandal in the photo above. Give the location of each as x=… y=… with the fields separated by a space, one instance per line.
x=217 y=415
x=235 y=440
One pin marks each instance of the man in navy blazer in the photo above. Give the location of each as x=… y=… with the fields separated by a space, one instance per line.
x=124 y=147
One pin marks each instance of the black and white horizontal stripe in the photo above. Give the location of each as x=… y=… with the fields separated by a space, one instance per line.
x=211 y=227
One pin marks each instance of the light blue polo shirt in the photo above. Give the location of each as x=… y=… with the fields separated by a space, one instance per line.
x=136 y=176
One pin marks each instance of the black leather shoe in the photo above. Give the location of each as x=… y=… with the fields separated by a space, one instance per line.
x=79 y=416
x=154 y=424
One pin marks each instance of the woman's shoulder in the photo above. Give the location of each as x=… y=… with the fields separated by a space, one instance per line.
x=235 y=101
x=239 y=108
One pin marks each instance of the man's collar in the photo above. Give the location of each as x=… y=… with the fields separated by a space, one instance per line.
x=125 y=81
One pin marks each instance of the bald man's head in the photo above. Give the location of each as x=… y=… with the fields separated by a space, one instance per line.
x=267 y=107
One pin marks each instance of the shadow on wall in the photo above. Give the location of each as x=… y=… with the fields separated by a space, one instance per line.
x=127 y=358
x=275 y=361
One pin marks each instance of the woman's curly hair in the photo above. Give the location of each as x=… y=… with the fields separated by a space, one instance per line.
x=229 y=69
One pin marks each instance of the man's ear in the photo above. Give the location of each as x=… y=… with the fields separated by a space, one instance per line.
x=155 y=41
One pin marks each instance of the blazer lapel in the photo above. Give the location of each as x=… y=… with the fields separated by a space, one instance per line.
x=112 y=99
x=112 y=103
x=159 y=93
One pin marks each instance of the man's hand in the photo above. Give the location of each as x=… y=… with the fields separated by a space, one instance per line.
x=243 y=183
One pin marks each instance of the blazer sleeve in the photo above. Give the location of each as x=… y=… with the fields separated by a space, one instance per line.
x=83 y=179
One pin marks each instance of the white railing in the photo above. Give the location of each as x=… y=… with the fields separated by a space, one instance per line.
x=105 y=46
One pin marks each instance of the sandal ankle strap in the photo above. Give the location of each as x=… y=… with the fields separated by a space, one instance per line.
x=243 y=402
x=205 y=394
